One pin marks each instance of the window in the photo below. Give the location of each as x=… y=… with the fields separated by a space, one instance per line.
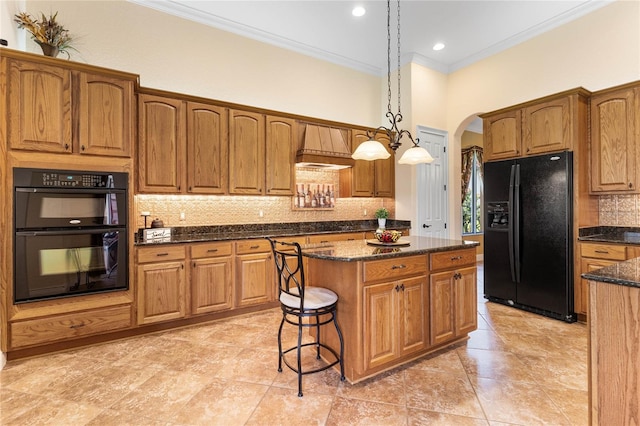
x=472 y=190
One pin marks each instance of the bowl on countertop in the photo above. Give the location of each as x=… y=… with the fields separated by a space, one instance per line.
x=387 y=236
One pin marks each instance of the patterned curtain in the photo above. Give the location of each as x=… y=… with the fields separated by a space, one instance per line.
x=467 y=166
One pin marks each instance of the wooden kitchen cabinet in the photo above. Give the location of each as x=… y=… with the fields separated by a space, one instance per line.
x=546 y=127
x=161 y=283
x=502 y=135
x=211 y=277
x=368 y=178
x=615 y=130
x=246 y=153
x=161 y=150
x=280 y=153
x=255 y=273
x=59 y=109
x=453 y=295
x=554 y=123
x=395 y=313
x=595 y=256
x=207 y=148
x=39 y=106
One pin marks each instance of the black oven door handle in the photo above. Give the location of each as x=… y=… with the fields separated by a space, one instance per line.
x=62 y=191
x=101 y=230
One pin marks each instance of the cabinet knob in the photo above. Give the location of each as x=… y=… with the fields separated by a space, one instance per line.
x=82 y=147
x=630 y=184
x=66 y=146
x=398 y=267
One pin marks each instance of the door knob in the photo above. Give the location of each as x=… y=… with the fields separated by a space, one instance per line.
x=424 y=225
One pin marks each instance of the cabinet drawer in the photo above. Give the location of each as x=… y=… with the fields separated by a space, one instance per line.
x=69 y=326
x=253 y=246
x=391 y=269
x=210 y=250
x=161 y=253
x=604 y=251
x=452 y=259
x=345 y=236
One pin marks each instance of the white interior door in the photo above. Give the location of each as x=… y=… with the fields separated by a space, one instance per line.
x=432 y=185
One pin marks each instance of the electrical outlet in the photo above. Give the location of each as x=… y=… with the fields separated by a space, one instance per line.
x=261 y=213
x=364 y=213
x=183 y=216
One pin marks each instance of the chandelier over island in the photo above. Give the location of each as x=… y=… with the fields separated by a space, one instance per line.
x=374 y=150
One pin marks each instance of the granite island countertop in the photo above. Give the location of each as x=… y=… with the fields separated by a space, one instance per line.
x=625 y=273
x=351 y=251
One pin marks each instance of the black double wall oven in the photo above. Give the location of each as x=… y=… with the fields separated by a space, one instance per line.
x=71 y=234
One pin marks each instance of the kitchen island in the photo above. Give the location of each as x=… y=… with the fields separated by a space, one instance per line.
x=614 y=343
x=397 y=302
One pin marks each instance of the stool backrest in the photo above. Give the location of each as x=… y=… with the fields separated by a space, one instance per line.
x=290 y=268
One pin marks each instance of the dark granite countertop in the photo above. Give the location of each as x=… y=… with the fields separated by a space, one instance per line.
x=610 y=234
x=193 y=234
x=624 y=273
x=351 y=251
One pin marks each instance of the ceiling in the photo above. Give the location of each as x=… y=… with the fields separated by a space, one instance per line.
x=471 y=29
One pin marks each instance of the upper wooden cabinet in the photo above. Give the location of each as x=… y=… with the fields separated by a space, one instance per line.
x=549 y=124
x=502 y=135
x=207 y=148
x=246 y=152
x=181 y=141
x=59 y=109
x=615 y=130
x=369 y=178
x=161 y=132
x=280 y=155
x=546 y=127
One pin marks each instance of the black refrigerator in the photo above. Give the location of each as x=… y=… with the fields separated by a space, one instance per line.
x=528 y=241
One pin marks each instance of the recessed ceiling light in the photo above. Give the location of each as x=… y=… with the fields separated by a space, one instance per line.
x=438 y=46
x=358 y=11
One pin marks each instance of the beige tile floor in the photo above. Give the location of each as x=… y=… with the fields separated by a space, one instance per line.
x=517 y=368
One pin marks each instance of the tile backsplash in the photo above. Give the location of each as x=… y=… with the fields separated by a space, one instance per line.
x=619 y=210
x=200 y=210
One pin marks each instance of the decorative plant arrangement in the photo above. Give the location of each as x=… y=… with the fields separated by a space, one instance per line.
x=382 y=214
x=47 y=32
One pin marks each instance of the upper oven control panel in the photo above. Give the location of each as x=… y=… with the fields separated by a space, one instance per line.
x=76 y=180
x=41 y=178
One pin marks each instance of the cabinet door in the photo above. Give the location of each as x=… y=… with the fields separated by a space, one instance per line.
x=466 y=306
x=442 y=307
x=414 y=297
x=161 y=292
x=254 y=279
x=381 y=318
x=211 y=284
x=614 y=130
x=246 y=153
x=105 y=115
x=502 y=135
x=162 y=135
x=280 y=153
x=385 y=181
x=39 y=107
x=582 y=295
x=207 y=149
x=547 y=127
x=363 y=172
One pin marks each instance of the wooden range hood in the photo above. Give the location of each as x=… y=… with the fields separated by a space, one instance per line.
x=324 y=147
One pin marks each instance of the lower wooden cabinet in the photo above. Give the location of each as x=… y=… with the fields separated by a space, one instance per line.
x=396 y=316
x=161 y=283
x=595 y=256
x=211 y=277
x=255 y=273
x=453 y=296
x=69 y=326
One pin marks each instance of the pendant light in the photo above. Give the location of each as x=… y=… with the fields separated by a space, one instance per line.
x=374 y=150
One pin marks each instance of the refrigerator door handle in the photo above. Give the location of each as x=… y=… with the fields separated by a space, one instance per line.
x=516 y=225
x=511 y=223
